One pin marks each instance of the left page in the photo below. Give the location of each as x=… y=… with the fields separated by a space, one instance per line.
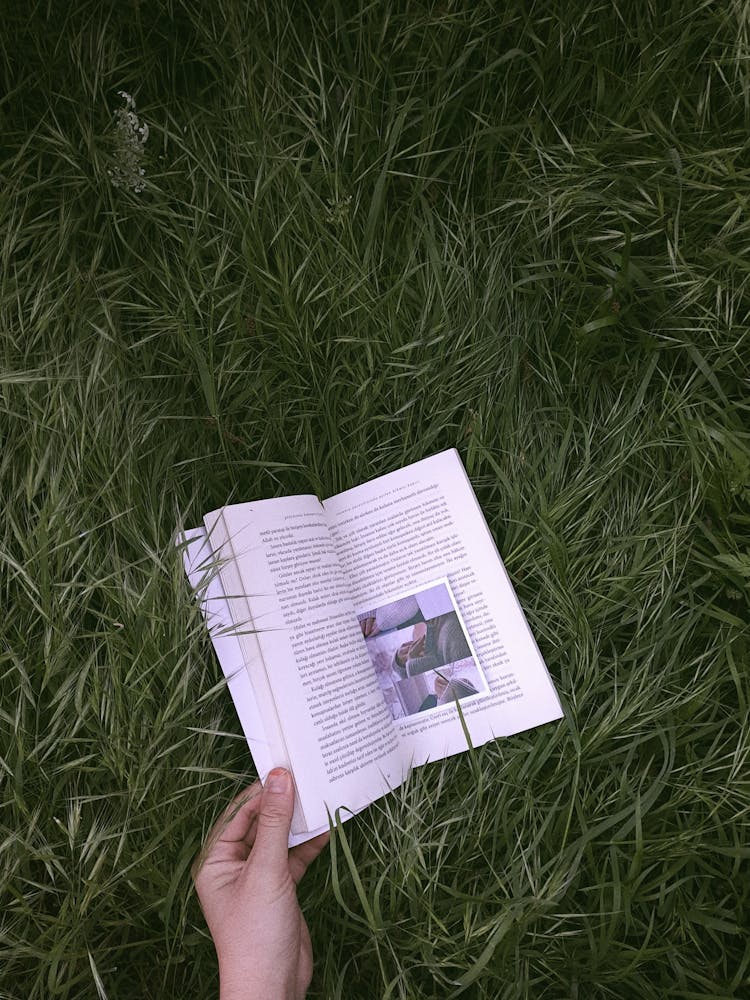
x=280 y=572
x=257 y=718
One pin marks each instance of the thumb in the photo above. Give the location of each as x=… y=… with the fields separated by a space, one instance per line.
x=271 y=848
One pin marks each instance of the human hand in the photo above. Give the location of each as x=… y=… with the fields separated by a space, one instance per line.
x=402 y=653
x=246 y=881
x=369 y=626
x=441 y=683
x=419 y=631
x=416 y=648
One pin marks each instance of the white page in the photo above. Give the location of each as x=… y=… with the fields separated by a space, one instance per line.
x=261 y=730
x=403 y=532
x=266 y=745
x=278 y=558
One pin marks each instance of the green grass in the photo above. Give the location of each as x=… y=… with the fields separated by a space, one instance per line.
x=367 y=235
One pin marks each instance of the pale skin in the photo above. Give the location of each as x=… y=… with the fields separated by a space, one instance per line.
x=246 y=879
x=414 y=647
x=369 y=626
x=441 y=683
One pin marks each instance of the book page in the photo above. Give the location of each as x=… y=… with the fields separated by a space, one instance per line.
x=280 y=571
x=261 y=727
x=397 y=539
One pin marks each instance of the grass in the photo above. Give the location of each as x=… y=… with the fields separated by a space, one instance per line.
x=370 y=232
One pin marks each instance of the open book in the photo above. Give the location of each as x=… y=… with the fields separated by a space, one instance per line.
x=351 y=630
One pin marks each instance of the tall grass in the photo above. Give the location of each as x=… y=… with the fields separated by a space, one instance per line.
x=370 y=232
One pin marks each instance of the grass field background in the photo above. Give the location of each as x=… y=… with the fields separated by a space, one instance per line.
x=368 y=233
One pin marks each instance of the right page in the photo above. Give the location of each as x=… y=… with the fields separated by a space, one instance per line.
x=439 y=615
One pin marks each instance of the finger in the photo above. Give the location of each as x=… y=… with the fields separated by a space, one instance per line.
x=249 y=839
x=271 y=848
x=236 y=820
x=233 y=832
x=303 y=855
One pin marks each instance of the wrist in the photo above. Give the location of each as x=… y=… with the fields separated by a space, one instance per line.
x=245 y=986
x=252 y=991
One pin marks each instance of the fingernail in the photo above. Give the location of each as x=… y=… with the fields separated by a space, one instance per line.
x=278 y=780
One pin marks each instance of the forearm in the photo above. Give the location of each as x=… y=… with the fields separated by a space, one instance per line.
x=421 y=664
x=250 y=987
